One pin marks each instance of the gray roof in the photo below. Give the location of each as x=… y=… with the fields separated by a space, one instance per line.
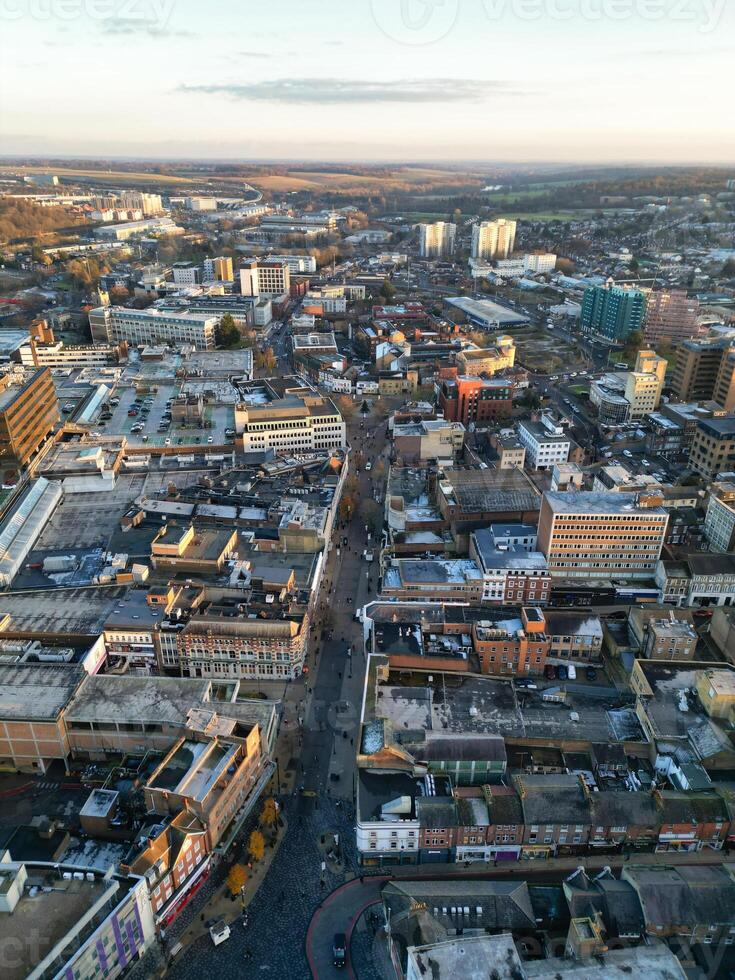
x=616 y=900
x=502 y=904
x=436 y=811
x=485 y=748
x=552 y=799
x=614 y=809
x=37 y=692
x=684 y=897
x=587 y=502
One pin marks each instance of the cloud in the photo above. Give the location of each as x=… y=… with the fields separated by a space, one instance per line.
x=128 y=26
x=336 y=91
x=252 y=54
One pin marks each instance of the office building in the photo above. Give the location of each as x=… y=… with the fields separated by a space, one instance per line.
x=429 y=439
x=493 y=239
x=149 y=204
x=265 y=279
x=600 y=535
x=539 y=262
x=644 y=385
x=474 y=361
x=612 y=312
x=713 y=447
x=298 y=264
x=201 y=203
x=187 y=274
x=545 y=442
x=671 y=316
x=476 y=401
x=719 y=524
x=73 y=357
x=28 y=413
x=219 y=269
x=697 y=368
x=437 y=239
x=296 y=423
x=113 y=324
x=724 y=393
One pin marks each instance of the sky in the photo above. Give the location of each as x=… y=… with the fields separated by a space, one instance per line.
x=580 y=81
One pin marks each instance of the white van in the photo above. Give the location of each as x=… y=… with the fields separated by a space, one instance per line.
x=572 y=672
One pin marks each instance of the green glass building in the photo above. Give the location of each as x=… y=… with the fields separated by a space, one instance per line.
x=613 y=313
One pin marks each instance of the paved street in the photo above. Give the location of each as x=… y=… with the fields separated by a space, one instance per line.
x=316 y=745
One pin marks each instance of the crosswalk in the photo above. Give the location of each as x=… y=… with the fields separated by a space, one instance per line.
x=47 y=784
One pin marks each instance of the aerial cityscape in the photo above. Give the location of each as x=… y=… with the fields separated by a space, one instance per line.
x=367 y=507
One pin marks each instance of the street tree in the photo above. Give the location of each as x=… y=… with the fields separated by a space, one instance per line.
x=265 y=360
x=256 y=845
x=237 y=876
x=372 y=514
x=269 y=813
x=346 y=507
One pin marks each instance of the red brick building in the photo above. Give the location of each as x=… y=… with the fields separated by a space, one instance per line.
x=478 y=400
x=514 y=647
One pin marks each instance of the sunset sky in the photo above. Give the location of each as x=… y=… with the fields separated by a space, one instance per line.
x=486 y=80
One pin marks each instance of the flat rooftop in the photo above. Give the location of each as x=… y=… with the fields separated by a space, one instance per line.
x=193 y=768
x=160 y=700
x=586 y=502
x=79 y=611
x=37 y=692
x=474 y=705
x=50 y=916
x=485 y=309
x=477 y=490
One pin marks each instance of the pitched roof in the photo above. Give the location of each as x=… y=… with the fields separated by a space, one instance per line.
x=684 y=897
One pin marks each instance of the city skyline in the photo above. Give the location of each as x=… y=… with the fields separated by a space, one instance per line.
x=583 y=81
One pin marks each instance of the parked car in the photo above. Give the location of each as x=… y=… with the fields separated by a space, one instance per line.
x=572 y=672
x=591 y=673
x=562 y=672
x=550 y=672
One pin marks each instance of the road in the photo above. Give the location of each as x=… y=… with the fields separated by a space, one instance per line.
x=318 y=730
x=342 y=909
x=349 y=582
